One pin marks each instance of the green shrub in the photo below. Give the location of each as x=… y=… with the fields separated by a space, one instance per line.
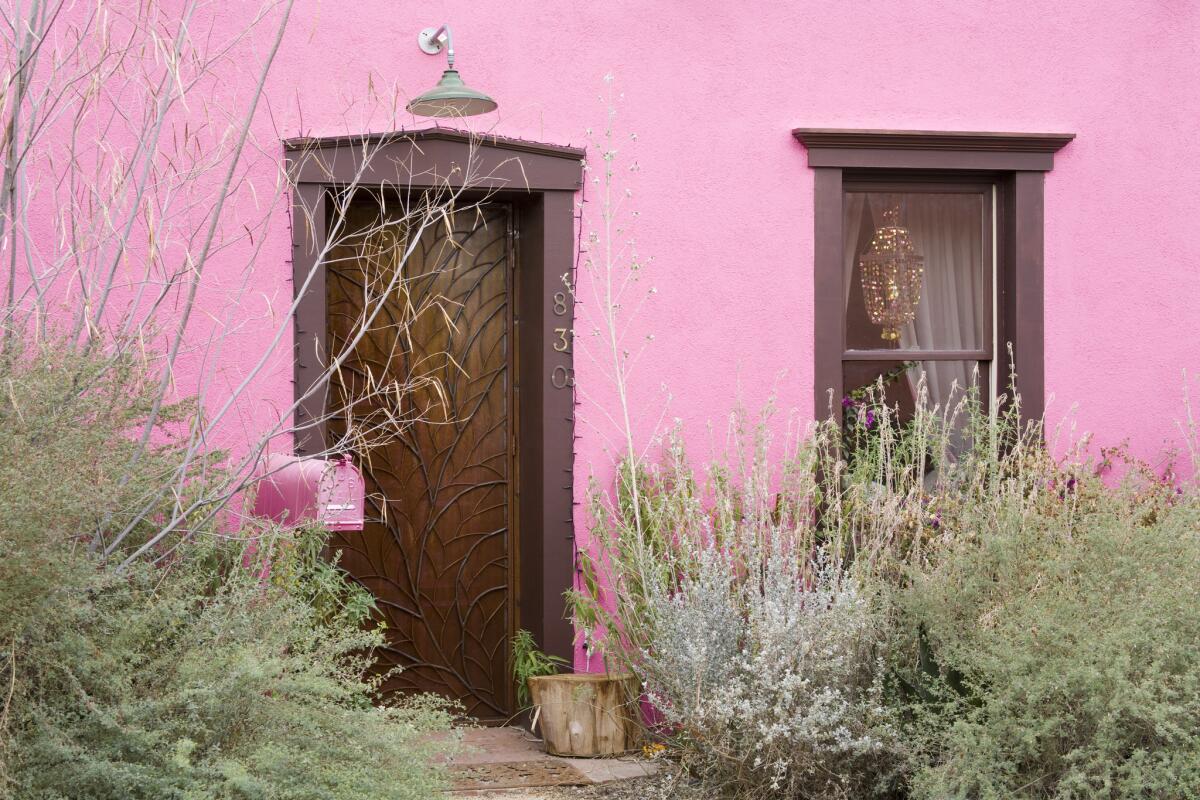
x=1060 y=634
x=190 y=675
x=63 y=453
x=530 y=662
x=159 y=684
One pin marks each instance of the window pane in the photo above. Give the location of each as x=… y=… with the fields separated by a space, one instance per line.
x=945 y=387
x=917 y=271
x=945 y=382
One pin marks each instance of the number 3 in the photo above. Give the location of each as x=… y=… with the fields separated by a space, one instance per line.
x=562 y=345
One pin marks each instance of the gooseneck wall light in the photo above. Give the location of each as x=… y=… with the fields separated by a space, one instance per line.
x=451 y=97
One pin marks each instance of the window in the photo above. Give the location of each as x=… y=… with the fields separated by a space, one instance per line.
x=918 y=283
x=928 y=259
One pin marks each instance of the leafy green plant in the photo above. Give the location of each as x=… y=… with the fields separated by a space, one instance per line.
x=528 y=661
x=299 y=562
x=192 y=675
x=1048 y=649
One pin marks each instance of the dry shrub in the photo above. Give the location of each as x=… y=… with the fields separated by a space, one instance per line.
x=936 y=607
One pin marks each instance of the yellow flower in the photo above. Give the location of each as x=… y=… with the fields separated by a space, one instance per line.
x=653 y=750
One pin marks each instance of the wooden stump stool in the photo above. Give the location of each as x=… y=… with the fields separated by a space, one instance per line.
x=585 y=714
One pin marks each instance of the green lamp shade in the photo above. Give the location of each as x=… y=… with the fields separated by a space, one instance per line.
x=451 y=98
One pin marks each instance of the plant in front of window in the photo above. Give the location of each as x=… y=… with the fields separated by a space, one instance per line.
x=858 y=412
x=1048 y=642
x=870 y=421
x=741 y=614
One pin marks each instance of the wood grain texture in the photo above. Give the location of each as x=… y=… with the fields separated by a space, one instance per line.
x=586 y=714
x=438 y=547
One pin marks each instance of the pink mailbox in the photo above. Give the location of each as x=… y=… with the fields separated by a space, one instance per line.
x=294 y=490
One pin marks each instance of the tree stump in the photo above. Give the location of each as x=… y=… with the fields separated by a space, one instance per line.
x=586 y=714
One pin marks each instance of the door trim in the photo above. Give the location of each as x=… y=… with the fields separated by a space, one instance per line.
x=540 y=182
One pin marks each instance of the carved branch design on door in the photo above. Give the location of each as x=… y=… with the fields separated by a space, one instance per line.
x=438 y=548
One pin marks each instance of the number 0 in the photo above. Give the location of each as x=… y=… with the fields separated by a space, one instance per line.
x=562 y=377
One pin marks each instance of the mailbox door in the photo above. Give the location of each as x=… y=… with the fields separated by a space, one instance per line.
x=342 y=497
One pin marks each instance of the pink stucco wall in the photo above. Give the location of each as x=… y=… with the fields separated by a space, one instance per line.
x=712 y=89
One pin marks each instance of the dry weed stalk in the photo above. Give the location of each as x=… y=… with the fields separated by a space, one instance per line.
x=133 y=218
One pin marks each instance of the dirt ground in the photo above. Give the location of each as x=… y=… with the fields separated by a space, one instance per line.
x=663 y=786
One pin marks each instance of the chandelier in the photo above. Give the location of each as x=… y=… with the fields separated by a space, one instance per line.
x=891 y=274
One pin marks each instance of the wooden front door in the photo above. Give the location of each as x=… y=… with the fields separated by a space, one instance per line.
x=439 y=547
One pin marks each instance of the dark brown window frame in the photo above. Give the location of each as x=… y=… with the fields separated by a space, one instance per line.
x=540 y=181
x=1015 y=162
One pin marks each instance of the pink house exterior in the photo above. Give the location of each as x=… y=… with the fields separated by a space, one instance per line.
x=708 y=95
x=725 y=193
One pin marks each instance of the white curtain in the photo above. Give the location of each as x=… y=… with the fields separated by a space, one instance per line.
x=852 y=216
x=947 y=230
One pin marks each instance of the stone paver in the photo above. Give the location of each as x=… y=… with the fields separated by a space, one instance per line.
x=511 y=744
x=499 y=745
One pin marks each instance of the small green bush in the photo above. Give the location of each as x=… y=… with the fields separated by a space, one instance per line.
x=64 y=417
x=160 y=684
x=196 y=674
x=530 y=662
x=1060 y=636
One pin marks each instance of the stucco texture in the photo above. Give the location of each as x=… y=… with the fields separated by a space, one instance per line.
x=724 y=194
x=712 y=91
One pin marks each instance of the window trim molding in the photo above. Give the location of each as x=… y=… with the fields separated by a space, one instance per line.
x=540 y=182
x=1016 y=162
x=955 y=150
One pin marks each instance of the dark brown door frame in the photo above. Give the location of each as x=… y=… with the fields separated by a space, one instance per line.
x=1017 y=162
x=540 y=181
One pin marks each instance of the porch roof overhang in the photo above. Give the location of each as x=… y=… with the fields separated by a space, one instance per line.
x=432 y=157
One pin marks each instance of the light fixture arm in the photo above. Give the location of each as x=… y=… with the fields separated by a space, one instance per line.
x=451 y=97
x=431 y=41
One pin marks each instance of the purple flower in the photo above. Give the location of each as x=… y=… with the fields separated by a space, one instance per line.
x=1071 y=484
x=870 y=419
x=935 y=521
x=847 y=401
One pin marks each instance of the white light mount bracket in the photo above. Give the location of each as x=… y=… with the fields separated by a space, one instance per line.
x=432 y=40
